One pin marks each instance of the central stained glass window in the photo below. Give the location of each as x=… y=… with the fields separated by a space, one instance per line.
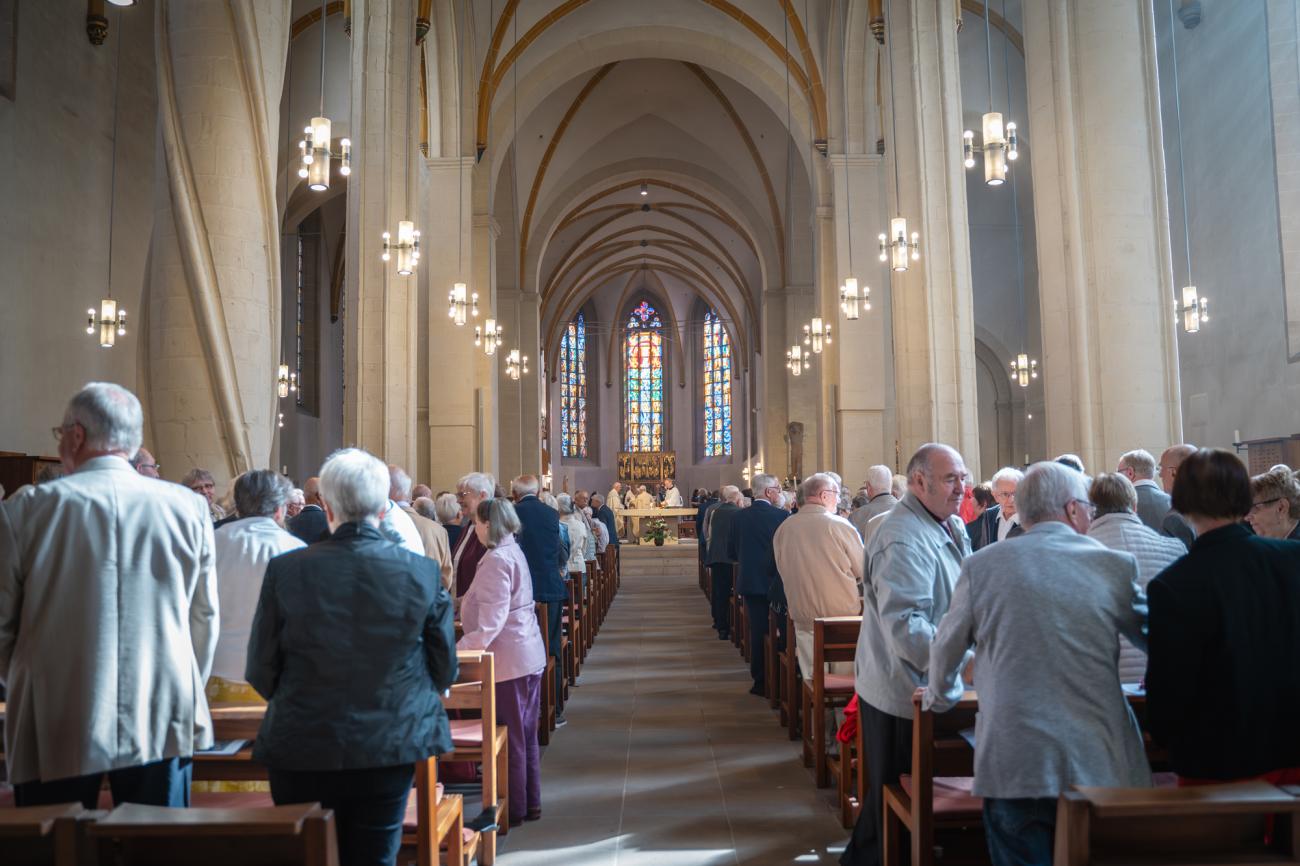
x=717 y=387
x=643 y=384
x=573 y=388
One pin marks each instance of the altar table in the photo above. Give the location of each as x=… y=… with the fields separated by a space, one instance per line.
x=672 y=516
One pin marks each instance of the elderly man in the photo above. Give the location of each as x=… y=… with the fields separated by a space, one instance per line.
x=243 y=549
x=879 y=499
x=470 y=491
x=614 y=502
x=540 y=540
x=146 y=464
x=297 y=501
x=644 y=499
x=911 y=568
x=202 y=483
x=433 y=537
x=1139 y=467
x=601 y=511
x=1175 y=524
x=421 y=491
x=108 y=619
x=1052 y=713
x=672 y=495
x=819 y=556
x=720 y=558
x=310 y=525
x=752 y=531
x=1002 y=521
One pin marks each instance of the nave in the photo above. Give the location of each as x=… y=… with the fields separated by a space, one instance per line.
x=666 y=759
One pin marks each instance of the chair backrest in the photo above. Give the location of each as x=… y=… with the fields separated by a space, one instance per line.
x=938 y=749
x=835 y=639
x=475 y=689
x=134 y=835
x=1239 y=823
x=45 y=835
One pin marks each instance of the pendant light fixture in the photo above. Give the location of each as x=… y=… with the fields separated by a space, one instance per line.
x=286 y=383
x=852 y=298
x=817 y=335
x=797 y=360
x=516 y=364
x=1023 y=367
x=110 y=320
x=1193 y=307
x=488 y=337
x=407 y=245
x=999 y=142
x=897 y=247
x=461 y=303
x=314 y=149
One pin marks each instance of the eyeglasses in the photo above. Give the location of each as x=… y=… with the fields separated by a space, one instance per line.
x=61 y=430
x=157 y=467
x=1092 y=509
x=1262 y=503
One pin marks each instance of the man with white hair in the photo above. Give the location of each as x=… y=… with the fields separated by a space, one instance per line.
x=720 y=558
x=108 y=619
x=614 y=502
x=540 y=540
x=1052 y=712
x=752 y=531
x=433 y=537
x=819 y=556
x=1002 y=521
x=880 y=499
x=1153 y=504
x=297 y=502
x=911 y=568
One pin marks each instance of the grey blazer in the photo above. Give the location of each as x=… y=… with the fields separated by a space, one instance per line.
x=912 y=565
x=1153 y=504
x=1044 y=616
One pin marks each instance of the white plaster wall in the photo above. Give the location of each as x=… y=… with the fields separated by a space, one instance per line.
x=1235 y=374
x=55 y=149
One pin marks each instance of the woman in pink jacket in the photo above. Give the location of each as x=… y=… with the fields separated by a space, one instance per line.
x=497 y=615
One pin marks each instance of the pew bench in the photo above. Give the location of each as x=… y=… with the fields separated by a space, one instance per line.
x=481 y=740
x=46 y=835
x=835 y=639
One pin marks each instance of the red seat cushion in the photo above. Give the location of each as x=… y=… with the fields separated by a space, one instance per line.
x=231 y=799
x=467 y=732
x=952 y=795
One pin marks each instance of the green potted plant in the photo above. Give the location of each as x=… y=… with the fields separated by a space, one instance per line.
x=656 y=531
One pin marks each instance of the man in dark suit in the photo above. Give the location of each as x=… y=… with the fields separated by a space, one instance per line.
x=1174 y=524
x=720 y=558
x=1153 y=503
x=540 y=540
x=1001 y=521
x=752 y=530
x=605 y=515
x=310 y=525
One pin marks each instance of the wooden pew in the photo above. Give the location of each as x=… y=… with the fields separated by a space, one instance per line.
x=772 y=664
x=46 y=835
x=790 y=682
x=848 y=775
x=134 y=835
x=1212 y=824
x=575 y=626
x=835 y=639
x=481 y=739
x=546 y=721
x=437 y=825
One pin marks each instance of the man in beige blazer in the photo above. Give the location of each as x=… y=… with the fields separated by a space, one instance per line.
x=108 y=619
x=433 y=536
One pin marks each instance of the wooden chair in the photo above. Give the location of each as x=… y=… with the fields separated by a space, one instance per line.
x=835 y=639
x=737 y=613
x=575 y=626
x=588 y=614
x=772 y=664
x=546 y=721
x=481 y=739
x=134 y=835
x=434 y=830
x=1247 y=822
x=936 y=795
x=848 y=775
x=46 y=835
x=790 y=682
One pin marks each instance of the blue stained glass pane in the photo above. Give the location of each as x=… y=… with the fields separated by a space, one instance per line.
x=573 y=389
x=717 y=387
x=643 y=379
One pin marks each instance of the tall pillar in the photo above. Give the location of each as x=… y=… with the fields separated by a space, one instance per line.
x=933 y=318
x=488 y=371
x=380 y=407
x=214 y=297
x=1105 y=276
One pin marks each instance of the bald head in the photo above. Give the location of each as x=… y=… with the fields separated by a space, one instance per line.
x=936 y=475
x=311 y=491
x=1170 y=460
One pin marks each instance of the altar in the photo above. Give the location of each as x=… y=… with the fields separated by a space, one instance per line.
x=671 y=516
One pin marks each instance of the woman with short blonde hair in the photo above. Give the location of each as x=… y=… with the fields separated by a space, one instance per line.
x=1275 y=504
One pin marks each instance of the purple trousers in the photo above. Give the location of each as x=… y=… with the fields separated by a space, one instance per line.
x=518 y=706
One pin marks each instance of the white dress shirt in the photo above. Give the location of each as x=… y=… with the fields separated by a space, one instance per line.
x=673 y=497
x=243 y=549
x=1004 y=525
x=399 y=522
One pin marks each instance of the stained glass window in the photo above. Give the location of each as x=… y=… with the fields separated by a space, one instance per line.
x=644 y=385
x=573 y=389
x=717 y=387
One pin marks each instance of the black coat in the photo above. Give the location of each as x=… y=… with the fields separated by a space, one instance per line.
x=752 y=530
x=351 y=645
x=720 y=550
x=1223 y=675
x=310 y=525
x=705 y=504
x=606 y=516
x=453 y=534
x=540 y=540
x=983 y=530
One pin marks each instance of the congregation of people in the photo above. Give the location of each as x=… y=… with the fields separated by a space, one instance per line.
x=1053 y=595
x=129 y=605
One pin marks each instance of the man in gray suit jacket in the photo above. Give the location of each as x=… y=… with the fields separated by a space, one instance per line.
x=1044 y=617
x=1152 y=503
x=879 y=500
x=108 y=620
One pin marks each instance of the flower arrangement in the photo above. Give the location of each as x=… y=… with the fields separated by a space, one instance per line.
x=656 y=530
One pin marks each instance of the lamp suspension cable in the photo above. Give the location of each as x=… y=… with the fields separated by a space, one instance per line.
x=323 y=13
x=1193 y=306
x=897 y=246
x=852 y=297
x=1023 y=367
x=109 y=320
x=988 y=57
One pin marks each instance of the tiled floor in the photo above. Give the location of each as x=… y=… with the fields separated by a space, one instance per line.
x=667 y=759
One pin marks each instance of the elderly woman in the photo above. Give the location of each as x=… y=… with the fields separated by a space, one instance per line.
x=351 y=645
x=497 y=614
x=571 y=520
x=1224 y=636
x=1275 y=509
x=1117 y=525
x=471 y=491
x=447 y=510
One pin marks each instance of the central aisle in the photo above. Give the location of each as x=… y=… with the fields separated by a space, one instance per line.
x=666 y=758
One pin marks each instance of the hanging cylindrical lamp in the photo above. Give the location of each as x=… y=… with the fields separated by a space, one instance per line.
x=462 y=304
x=285 y=382
x=797 y=360
x=999 y=145
x=407 y=247
x=516 y=364
x=817 y=335
x=896 y=248
x=1195 y=309
x=110 y=321
x=316 y=148
x=489 y=336
x=1024 y=368
x=854 y=299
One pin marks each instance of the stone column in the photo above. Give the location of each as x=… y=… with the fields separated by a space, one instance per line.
x=214 y=297
x=519 y=419
x=380 y=406
x=933 y=318
x=488 y=371
x=1105 y=276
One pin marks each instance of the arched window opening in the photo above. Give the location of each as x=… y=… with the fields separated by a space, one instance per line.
x=717 y=387
x=644 y=380
x=573 y=389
